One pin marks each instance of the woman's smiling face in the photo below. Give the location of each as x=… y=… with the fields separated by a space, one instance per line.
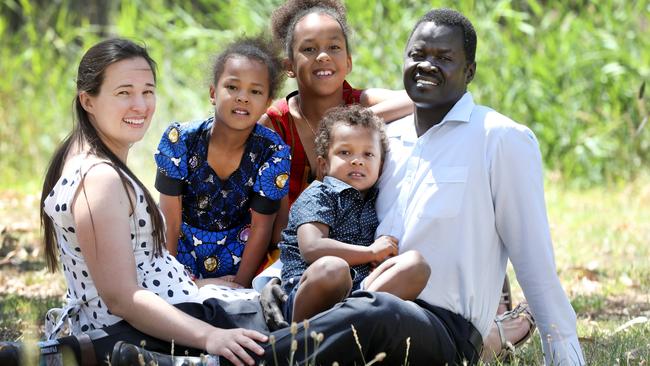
x=122 y=110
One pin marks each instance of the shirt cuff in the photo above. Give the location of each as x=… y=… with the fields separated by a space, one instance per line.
x=565 y=352
x=167 y=185
x=263 y=205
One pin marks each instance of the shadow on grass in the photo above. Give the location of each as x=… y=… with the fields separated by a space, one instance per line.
x=590 y=305
x=26 y=265
x=611 y=307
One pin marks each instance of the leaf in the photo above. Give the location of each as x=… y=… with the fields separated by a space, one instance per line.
x=613 y=68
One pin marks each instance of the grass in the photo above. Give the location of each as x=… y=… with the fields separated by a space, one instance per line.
x=575 y=72
x=600 y=237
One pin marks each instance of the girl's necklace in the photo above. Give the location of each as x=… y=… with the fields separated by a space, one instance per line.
x=305 y=118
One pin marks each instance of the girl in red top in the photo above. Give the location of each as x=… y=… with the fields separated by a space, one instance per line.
x=314 y=34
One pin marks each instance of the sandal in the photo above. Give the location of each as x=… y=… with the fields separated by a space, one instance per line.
x=508 y=348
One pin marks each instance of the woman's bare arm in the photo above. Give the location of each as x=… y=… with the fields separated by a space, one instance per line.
x=101 y=212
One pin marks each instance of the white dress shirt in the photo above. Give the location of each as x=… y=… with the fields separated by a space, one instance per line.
x=468 y=194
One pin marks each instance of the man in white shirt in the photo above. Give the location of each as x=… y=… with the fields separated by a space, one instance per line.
x=463 y=185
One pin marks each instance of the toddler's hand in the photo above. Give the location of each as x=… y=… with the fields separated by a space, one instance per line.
x=384 y=247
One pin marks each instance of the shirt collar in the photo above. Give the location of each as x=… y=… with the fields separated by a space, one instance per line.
x=460 y=112
x=339 y=186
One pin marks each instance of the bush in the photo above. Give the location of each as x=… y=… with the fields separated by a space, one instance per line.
x=574 y=72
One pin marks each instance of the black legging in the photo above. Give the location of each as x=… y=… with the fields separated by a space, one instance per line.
x=382 y=322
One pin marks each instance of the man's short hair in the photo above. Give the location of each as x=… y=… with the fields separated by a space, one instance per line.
x=452 y=18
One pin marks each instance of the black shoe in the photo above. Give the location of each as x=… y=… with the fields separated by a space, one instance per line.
x=9 y=354
x=126 y=354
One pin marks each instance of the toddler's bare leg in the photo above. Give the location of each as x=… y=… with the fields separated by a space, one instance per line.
x=326 y=282
x=404 y=276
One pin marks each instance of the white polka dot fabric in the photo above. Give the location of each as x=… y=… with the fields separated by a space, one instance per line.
x=85 y=310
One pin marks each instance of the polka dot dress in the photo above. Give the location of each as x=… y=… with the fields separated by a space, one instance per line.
x=85 y=310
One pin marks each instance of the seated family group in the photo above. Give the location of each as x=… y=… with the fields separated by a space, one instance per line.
x=389 y=232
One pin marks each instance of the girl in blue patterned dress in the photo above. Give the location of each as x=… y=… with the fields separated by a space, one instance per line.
x=221 y=179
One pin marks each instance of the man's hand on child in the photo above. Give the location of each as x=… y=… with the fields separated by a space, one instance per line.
x=271 y=298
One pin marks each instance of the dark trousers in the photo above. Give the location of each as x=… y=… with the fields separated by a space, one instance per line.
x=382 y=322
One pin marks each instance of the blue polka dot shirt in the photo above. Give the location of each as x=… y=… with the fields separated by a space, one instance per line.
x=351 y=219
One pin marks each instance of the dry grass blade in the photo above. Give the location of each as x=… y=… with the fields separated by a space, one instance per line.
x=631 y=323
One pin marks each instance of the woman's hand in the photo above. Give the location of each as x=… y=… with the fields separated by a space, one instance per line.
x=233 y=344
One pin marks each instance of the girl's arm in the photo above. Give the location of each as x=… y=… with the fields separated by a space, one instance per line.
x=282 y=217
x=256 y=247
x=101 y=212
x=281 y=220
x=387 y=104
x=171 y=207
x=314 y=243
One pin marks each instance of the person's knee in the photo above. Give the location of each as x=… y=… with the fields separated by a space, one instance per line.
x=381 y=308
x=331 y=275
x=416 y=266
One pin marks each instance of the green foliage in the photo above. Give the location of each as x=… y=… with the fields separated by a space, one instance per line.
x=572 y=71
x=573 y=75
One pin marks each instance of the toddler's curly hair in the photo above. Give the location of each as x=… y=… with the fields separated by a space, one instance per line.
x=352 y=115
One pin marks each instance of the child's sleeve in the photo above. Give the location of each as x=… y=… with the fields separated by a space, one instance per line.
x=315 y=204
x=171 y=160
x=272 y=180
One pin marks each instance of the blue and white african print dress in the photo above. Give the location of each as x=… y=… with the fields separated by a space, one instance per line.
x=216 y=213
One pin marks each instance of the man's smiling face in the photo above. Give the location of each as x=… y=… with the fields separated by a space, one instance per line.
x=436 y=70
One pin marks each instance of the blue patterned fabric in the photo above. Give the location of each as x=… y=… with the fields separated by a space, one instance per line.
x=216 y=213
x=351 y=218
